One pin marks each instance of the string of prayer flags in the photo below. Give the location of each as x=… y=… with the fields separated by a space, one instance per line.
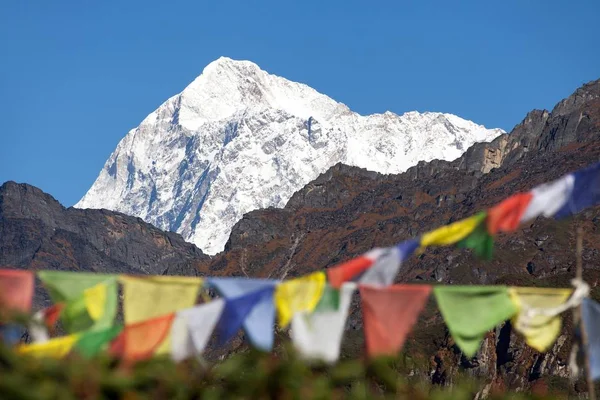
x=258 y=325
x=506 y=216
x=585 y=193
x=348 y=270
x=54 y=348
x=154 y=296
x=90 y=299
x=590 y=316
x=193 y=327
x=540 y=330
x=385 y=269
x=160 y=317
x=300 y=294
x=389 y=314
x=236 y=311
x=16 y=291
x=318 y=335
x=452 y=233
x=548 y=198
x=140 y=340
x=471 y=311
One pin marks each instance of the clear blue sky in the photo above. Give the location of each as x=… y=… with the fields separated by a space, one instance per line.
x=76 y=75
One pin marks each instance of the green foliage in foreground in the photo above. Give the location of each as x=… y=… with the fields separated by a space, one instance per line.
x=243 y=376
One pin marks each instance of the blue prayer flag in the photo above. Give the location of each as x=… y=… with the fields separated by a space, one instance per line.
x=249 y=304
x=590 y=314
x=586 y=192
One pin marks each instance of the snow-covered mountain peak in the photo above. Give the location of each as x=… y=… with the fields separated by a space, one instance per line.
x=228 y=86
x=238 y=138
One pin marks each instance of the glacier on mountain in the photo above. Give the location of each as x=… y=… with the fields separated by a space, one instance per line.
x=238 y=139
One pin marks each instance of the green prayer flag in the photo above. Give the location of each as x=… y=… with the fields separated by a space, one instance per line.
x=480 y=241
x=75 y=317
x=471 y=311
x=70 y=288
x=66 y=286
x=330 y=300
x=93 y=342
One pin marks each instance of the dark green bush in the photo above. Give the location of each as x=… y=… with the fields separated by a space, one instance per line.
x=248 y=375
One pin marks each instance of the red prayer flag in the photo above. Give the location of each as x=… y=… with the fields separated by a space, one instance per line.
x=139 y=341
x=16 y=290
x=51 y=315
x=389 y=314
x=506 y=216
x=346 y=271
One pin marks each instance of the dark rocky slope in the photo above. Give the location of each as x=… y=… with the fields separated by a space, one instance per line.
x=36 y=232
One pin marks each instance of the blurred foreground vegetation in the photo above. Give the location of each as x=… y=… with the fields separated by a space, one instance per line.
x=243 y=376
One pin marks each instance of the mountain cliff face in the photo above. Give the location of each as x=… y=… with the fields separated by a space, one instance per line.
x=347 y=211
x=36 y=232
x=239 y=139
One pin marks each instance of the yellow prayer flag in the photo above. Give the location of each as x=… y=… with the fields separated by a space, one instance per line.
x=55 y=348
x=155 y=296
x=301 y=294
x=452 y=233
x=540 y=331
x=95 y=300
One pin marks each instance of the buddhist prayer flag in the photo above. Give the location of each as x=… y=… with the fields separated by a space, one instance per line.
x=585 y=193
x=65 y=286
x=93 y=342
x=300 y=294
x=318 y=335
x=10 y=334
x=471 y=311
x=141 y=340
x=154 y=296
x=16 y=291
x=44 y=321
x=236 y=311
x=540 y=331
x=590 y=314
x=193 y=327
x=349 y=270
x=386 y=266
x=506 y=216
x=54 y=348
x=389 y=314
x=330 y=300
x=90 y=299
x=258 y=325
x=548 y=198
x=75 y=317
x=452 y=233
x=480 y=241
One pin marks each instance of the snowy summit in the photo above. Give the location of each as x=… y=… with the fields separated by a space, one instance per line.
x=238 y=139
